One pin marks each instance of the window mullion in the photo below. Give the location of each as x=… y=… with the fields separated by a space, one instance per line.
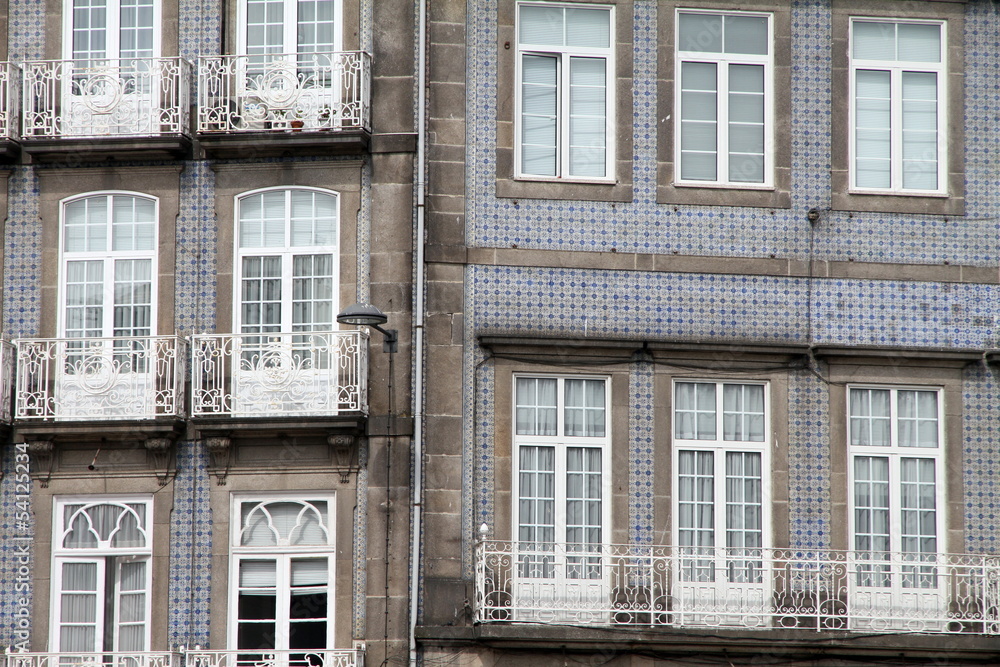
x=562 y=114
x=896 y=129
x=283 y=599
x=290 y=29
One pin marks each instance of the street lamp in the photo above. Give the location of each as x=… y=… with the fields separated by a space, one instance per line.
x=367 y=315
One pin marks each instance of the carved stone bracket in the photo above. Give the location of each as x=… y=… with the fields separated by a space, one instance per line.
x=42 y=458
x=161 y=451
x=343 y=453
x=220 y=454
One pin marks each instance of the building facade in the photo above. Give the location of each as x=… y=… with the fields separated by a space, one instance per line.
x=721 y=280
x=199 y=464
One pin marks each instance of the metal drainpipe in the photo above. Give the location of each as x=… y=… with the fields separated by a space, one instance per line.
x=418 y=333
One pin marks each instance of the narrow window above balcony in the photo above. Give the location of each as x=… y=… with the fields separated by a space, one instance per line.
x=290 y=81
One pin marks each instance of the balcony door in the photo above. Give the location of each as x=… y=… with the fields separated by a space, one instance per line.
x=721 y=571
x=897 y=580
x=110 y=80
x=561 y=509
x=107 y=307
x=289 y=71
x=288 y=279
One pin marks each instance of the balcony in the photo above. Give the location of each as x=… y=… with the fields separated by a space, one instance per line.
x=310 y=374
x=10 y=103
x=266 y=104
x=110 y=659
x=106 y=108
x=272 y=658
x=98 y=379
x=736 y=589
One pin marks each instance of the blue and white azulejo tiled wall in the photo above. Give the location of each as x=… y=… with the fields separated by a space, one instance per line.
x=637 y=305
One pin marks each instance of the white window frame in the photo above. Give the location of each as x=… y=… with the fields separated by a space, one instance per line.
x=100 y=556
x=562 y=113
x=895 y=454
x=112 y=29
x=290 y=26
x=109 y=257
x=722 y=62
x=709 y=582
x=283 y=555
x=720 y=447
x=287 y=254
x=896 y=69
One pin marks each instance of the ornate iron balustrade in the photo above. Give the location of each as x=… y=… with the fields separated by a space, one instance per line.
x=103 y=659
x=285 y=92
x=740 y=589
x=100 y=378
x=7 y=373
x=317 y=373
x=138 y=97
x=10 y=100
x=272 y=658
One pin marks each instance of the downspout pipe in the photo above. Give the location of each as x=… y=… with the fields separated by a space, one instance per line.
x=418 y=331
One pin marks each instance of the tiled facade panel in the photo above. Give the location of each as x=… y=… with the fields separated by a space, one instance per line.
x=196 y=250
x=981 y=452
x=17 y=534
x=660 y=306
x=647 y=227
x=22 y=255
x=190 y=549
x=809 y=416
x=642 y=527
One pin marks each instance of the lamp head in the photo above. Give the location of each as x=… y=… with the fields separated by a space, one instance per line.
x=362 y=314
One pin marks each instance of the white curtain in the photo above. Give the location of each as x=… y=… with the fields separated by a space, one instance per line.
x=743 y=412
x=536 y=406
x=313 y=219
x=585 y=407
x=694 y=412
x=870 y=417
x=536 y=485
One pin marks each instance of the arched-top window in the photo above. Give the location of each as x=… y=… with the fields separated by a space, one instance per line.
x=101 y=575
x=287 y=261
x=108 y=243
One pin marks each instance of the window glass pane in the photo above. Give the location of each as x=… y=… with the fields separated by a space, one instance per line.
x=589 y=28
x=536 y=406
x=587 y=117
x=541 y=24
x=538 y=115
x=919 y=42
x=258 y=574
x=699 y=32
x=873 y=40
x=746 y=34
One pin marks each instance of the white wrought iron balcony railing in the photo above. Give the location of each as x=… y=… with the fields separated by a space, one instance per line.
x=7 y=373
x=739 y=589
x=271 y=658
x=317 y=373
x=304 y=92
x=103 y=659
x=10 y=100
x=134 y=97
x=100 y=378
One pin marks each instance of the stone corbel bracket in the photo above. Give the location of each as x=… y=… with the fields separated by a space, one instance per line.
x=161 y=452
x=220 y=455
x=42 y=453
x=343 y=447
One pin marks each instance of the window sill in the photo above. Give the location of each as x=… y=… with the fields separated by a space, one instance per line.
x=522 y=188
x=723 y=195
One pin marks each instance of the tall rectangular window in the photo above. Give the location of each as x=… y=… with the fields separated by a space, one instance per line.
x=561 y=476
x=725 y=98
x=896 y=449
x=898 y=122
x=721 y=431
x=565 y=91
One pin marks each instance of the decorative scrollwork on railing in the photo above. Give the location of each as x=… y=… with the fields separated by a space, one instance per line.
x=110 y=659
x=277 y=374
x=285 y=92
x=748 y=588
x=100 y=378
x=197 y=657
x=108 y=97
